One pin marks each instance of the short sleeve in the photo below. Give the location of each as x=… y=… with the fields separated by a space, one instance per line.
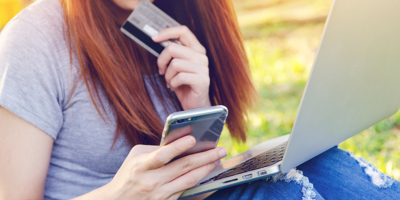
x=30 y=84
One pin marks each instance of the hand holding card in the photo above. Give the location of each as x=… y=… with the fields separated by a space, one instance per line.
x=181 y=57
x=185 y=68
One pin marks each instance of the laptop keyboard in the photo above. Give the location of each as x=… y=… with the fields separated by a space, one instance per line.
x=265 y=159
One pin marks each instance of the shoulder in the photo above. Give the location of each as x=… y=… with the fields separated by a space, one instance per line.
x=33 y=40
x=34 y=58
x=39 y=24
x=32 y=44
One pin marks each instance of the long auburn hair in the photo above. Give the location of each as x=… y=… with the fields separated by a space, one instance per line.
x=112 y=62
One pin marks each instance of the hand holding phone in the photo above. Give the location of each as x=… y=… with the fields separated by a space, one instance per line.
x=204 y=124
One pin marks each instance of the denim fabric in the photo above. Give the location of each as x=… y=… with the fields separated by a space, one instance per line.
x=335 y=174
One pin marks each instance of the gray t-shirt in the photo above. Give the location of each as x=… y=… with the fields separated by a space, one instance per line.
x=35 y=81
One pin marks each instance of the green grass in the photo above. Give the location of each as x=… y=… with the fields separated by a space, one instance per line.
x=281 y=38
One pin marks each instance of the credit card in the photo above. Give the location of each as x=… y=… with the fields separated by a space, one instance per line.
x=145 y=22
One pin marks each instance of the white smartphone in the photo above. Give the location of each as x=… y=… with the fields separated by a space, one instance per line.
x=206 y=125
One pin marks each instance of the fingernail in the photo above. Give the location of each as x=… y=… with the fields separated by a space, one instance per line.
x=155 y=37
x=159 y=71
x=217 y=162
x=222 y=153
x=190 y=141
x=168 y=86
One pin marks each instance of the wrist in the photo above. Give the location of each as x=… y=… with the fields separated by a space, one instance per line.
x=108 y=191
x=105 y=192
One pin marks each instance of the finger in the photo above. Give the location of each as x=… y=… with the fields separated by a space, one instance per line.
x=183 y=34
x=166 y=153
x=191 y=162
x=176 y=134
x=126 y=5
x=189 y=79
x=178 y=51
x=191 y=178
x=178 y=65
x=142 y=149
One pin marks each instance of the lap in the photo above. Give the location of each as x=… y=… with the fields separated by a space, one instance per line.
x=335 y=174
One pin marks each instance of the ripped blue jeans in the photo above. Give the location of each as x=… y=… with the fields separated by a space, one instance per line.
x=334 y=174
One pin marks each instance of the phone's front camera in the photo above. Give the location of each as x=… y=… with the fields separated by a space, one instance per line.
x=180 y=121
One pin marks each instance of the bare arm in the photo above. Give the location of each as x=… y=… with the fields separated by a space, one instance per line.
x=25 y=154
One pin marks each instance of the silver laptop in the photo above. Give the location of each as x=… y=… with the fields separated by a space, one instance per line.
x=354 y=83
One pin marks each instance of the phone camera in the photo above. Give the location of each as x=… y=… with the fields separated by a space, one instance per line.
x=180 y=121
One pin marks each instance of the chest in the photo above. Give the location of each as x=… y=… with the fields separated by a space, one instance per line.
x=86 y=139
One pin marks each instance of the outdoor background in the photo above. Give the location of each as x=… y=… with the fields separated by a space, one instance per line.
x=281 y=39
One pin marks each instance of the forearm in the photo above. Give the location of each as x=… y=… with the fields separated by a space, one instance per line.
x=105 y=192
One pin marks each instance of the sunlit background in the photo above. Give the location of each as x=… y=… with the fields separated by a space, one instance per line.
x=281 y=39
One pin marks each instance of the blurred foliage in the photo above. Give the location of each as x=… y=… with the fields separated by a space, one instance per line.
x=281 y=38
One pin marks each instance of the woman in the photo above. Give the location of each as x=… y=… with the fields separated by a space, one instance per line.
x=82 y=95
x=83 y=106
